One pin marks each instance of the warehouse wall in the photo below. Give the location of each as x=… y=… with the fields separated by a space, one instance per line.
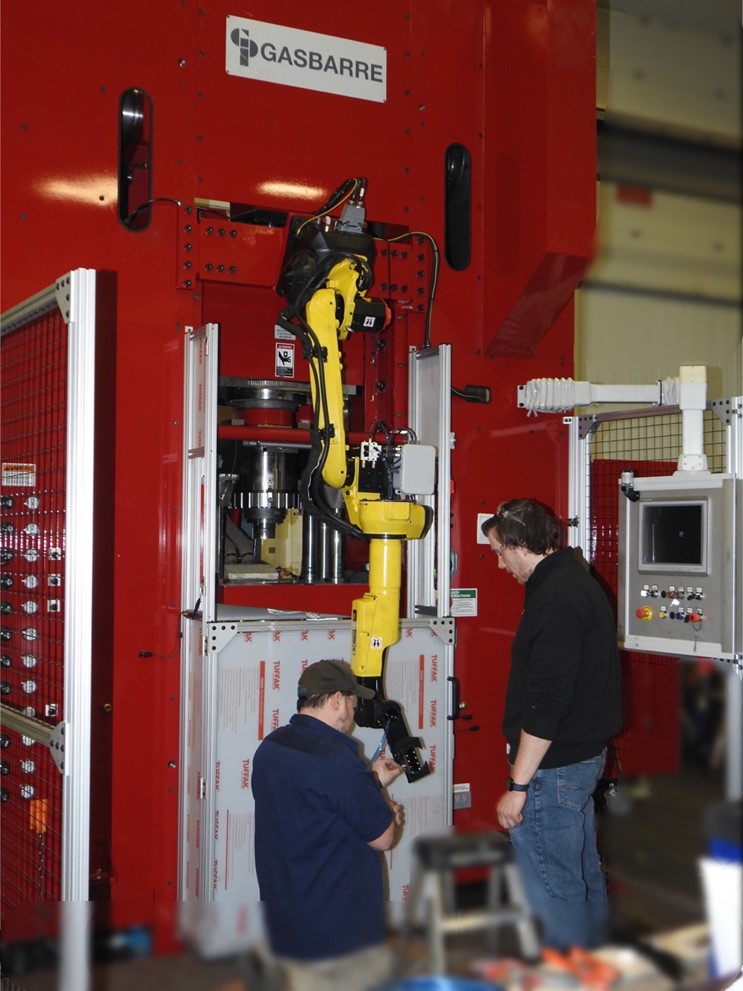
x=665 y=286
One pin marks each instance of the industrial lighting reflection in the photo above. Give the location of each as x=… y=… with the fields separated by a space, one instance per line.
x=292 y=189
x=92 y=190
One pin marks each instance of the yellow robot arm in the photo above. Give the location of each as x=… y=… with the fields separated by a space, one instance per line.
x=329 y=313
x=328 y=302
x=376 y=615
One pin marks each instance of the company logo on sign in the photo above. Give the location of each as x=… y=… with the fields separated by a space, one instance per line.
x=276 y=54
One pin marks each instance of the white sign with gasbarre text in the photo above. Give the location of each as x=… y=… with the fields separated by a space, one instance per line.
x=273 y=53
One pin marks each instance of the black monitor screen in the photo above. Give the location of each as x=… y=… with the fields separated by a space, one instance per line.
x=673 y=533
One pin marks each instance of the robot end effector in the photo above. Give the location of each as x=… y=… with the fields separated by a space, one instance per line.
x=388 y=715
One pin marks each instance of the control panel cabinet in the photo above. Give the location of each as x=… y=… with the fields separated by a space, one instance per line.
x=679 y=575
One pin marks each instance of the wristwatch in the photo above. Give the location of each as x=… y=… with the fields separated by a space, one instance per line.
x=512 y=786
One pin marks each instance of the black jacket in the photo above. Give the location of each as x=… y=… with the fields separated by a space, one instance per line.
x=564 y=684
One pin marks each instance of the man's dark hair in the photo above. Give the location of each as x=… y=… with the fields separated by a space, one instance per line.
x=316 y=701
x=524 y=523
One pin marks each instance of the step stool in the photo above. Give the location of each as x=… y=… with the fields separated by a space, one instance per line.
x=432 y=890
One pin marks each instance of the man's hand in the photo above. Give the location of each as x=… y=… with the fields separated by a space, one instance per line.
x=509 y=808
x=531 y=751
x=386 y=770
x=399 y=811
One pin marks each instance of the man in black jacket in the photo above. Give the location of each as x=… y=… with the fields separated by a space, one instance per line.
x=562 y=705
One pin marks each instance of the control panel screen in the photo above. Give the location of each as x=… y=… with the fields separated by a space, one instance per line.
x=673 y=534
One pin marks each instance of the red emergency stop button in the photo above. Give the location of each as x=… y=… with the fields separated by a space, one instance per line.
x=694 y=617
x=644 y=612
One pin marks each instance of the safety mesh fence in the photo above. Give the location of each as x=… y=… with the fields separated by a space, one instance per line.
x=34 y=424
x=648 y=445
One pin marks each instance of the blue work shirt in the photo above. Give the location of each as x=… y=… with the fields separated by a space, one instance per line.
x=317 y=807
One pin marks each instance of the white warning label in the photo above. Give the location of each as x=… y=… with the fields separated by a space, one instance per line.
x=284 y=360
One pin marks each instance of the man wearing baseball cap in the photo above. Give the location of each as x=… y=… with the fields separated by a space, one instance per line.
x=322 y=820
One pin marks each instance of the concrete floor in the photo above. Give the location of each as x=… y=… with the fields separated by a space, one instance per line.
x=651 y=847
x=182 y=973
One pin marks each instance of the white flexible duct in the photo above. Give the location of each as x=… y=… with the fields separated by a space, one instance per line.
x=559 y=395
x=688 y=392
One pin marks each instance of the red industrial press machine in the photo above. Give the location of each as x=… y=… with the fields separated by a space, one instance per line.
x=180 y=182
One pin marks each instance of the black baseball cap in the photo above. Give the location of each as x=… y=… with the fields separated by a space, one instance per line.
x=326 y=677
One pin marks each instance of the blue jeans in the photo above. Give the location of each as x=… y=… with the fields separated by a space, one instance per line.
x=555 y=848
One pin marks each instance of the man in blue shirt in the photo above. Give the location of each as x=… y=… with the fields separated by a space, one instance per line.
x=321 y=823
